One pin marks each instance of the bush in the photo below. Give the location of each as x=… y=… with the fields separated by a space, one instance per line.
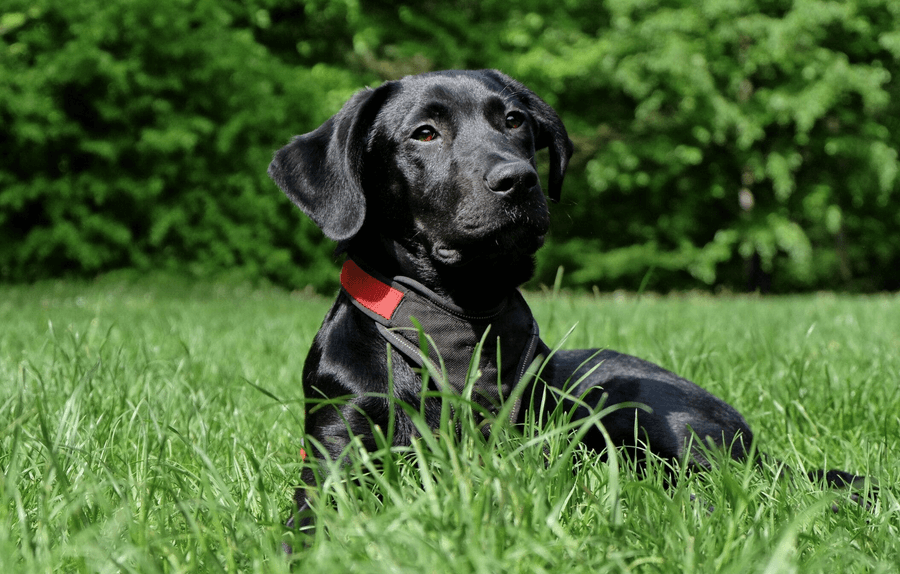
x=712 y=137
x=137 y=134
x=719 y=143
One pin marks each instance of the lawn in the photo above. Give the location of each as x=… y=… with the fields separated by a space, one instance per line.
x=156 y=426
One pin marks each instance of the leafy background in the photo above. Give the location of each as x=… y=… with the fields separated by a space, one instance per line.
x=721 y=144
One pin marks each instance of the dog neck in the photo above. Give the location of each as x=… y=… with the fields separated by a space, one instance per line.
x=475 y=286
x=440 y=337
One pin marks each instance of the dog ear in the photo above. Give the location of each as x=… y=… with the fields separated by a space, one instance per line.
x=551 y=133
x=321 y=172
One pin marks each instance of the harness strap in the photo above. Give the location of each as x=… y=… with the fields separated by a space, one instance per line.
x=454 y=333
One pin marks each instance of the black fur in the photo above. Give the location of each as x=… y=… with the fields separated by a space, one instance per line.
x=463 y=213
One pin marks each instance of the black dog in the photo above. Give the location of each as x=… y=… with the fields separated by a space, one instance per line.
x=429 y=185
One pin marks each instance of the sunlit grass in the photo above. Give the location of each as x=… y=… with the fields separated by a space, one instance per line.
x=155 y=427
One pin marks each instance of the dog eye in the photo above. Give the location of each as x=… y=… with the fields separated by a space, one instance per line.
x=425 y=134
x=514 y=120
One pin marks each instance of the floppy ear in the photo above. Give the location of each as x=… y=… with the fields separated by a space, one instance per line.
x=554 y=136
x=322 y=171
x=551 y=133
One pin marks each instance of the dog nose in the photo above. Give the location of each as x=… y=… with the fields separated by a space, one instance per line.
x=508 y=177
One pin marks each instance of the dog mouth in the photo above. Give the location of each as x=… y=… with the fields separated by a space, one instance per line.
x=511 y=232
x=506 y=246
x=447 y=256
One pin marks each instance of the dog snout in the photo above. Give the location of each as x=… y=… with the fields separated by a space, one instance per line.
x=508 y=177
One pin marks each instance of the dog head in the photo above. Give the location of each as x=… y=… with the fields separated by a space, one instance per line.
x=440 y=164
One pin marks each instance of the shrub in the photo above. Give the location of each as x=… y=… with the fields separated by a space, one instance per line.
x=719 y=143
x=136 y=133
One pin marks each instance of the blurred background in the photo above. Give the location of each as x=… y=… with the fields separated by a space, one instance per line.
x=725 y=145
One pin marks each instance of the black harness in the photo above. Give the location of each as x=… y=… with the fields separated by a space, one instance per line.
x=403 y=308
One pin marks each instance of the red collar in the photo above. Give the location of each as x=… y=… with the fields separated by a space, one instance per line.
x=374 y=295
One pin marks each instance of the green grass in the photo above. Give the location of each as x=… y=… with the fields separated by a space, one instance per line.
x=155 y=427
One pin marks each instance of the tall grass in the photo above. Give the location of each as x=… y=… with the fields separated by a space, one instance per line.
x=155 y=427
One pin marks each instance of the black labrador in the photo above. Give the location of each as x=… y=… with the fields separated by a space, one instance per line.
x=430 y=187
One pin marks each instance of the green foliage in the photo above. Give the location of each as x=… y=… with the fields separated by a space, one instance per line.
x=712 y=137
x=137 y=133
x=684 y=107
